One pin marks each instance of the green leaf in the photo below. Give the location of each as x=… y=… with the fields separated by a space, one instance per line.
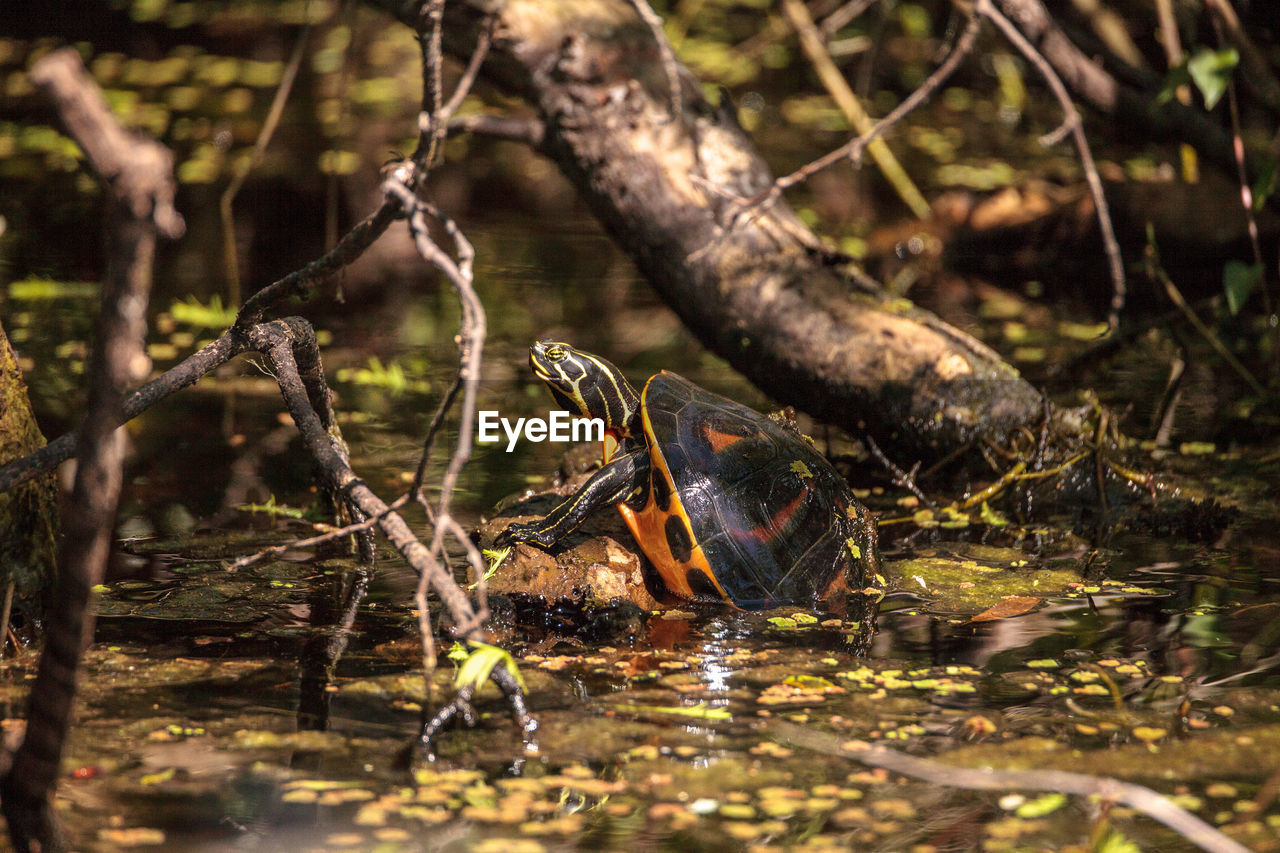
x=1265 y=186
x=494 y=558
x=212 y=315
x=1041 y=806
x=1239 y=280
x=1117 y=843
x=991 y=517
x=1176 y=77
x=483 y=658
x=701 y=711
x=1211 y=71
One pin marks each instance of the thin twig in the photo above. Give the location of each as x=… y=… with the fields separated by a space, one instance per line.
x=185 y=373
x=812 y=43
x=1115 y=263
x=1151 y=803
x=1246 y=196
x=905 y=479
x=297 y=283
x=470 y=345
x=529 y=131
x=1175 y=296
x=138 y=173
x=669 y=66
x=243 y=168
x=437 y=421
x=430 y=133
x=469 y=74
x=328 y=536
x=846 y=14
x=853 y=149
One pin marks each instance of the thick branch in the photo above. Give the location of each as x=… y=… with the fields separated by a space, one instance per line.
x=139 y=174
x=279 y=341
x=761 y=293
x=181 y=375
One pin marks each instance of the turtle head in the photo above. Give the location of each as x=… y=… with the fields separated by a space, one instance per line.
x=586 y=385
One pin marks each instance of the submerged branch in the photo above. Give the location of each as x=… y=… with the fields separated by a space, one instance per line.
x=1151 y=803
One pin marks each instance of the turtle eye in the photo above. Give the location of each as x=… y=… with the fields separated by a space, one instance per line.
x=556 y=354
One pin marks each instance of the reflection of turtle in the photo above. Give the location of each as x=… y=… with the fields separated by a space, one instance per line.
x=725 y=502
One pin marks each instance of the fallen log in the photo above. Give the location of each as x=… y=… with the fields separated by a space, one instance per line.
x=667 y=173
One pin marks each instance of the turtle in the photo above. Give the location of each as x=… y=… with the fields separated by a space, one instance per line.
x=727 y=504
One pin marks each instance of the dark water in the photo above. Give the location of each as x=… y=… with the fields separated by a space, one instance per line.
x=204 y=692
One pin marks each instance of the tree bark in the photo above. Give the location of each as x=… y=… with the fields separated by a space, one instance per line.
x=139 y=177
x=29 y=514
x=758 y=289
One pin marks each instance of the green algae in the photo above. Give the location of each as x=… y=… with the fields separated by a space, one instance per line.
x=972 y=578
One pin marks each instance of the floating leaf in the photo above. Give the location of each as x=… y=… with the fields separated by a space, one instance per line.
x=1240 y=280
x=157 y=778
x=1007 y=608
x=808 y=682
x=1191 y=448
x=701 y=711
x=1041 y=806
x=1148 y=733
x=134 y=836
x=207 y=316
x=272 y=508
x=43 y=288
x=1117 y=843
x=1211 y=71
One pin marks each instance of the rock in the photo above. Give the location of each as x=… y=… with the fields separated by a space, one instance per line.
x=598 y=561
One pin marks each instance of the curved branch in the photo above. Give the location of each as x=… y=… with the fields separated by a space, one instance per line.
x=139 y=177
x=987 y=9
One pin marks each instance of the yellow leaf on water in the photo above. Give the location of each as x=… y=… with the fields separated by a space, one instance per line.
x=1148 y=733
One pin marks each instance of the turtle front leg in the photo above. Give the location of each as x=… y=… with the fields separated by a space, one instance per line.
x=623 y=477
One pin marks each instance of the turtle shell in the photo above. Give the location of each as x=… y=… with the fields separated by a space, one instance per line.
x=741 y=508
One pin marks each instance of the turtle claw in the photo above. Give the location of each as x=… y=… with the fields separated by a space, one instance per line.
x=524 y=532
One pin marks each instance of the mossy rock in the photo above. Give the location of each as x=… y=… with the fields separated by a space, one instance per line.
x=599 y=561
x=28 y=513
